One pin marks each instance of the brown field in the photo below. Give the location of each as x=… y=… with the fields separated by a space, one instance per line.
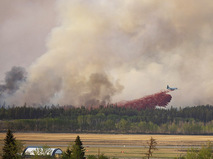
x=116 y=145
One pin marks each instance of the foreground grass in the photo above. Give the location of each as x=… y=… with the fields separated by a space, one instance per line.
x=116 y=145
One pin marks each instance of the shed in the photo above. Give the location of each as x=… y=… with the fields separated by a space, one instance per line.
x=31 y=151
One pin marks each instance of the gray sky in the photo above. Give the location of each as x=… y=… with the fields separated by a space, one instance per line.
x=25 y=25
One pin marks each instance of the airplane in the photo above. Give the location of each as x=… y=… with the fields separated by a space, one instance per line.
x=171 y=89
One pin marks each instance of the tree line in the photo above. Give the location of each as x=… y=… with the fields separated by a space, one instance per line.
x=110 y=119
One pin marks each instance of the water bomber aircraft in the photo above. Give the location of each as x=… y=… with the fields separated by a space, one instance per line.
x=171 y=89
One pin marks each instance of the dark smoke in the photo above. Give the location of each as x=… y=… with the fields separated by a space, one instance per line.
x=13 y=79
x=100 y=90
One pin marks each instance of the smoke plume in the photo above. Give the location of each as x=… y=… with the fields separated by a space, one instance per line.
x=106 y=51
x=13 y=80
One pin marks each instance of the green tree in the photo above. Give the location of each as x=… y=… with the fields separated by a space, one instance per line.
x=78 y=150
x=1 y=149
x=10 y=149
x=103 y=157
x=123 y=125
x=20 y=146
x=204 y=153
x=91 y=157
x=192 y=154
x=68 y=153
x=109 y=125
x=100 y=157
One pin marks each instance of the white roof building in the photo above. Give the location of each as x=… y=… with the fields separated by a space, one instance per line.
x=31 y=151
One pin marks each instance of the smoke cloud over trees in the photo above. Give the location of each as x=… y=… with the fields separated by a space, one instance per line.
x=103 y=52
x=13 y=80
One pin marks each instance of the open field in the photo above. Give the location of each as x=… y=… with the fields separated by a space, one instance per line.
x=117 y=145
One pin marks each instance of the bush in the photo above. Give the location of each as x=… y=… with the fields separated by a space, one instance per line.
x=204 y=153
x=91 y=157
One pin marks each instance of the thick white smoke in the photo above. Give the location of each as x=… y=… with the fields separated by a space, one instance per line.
x=107 y=51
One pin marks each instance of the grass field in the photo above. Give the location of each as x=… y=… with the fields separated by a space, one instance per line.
x=116 y=145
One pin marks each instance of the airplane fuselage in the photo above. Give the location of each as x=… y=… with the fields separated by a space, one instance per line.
x=171 y=89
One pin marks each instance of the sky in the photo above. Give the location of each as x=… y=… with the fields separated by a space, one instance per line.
x=89 y=52
x=25 y=26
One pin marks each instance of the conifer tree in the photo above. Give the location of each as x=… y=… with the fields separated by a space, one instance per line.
x=78 y=150
x=67 y=154
x=10 y=148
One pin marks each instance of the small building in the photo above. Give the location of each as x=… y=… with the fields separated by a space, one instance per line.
x=32 y=151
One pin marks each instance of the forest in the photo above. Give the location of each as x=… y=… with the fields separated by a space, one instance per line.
x=110 y=119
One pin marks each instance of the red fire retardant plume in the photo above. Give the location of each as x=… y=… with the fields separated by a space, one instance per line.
x=158 y=99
